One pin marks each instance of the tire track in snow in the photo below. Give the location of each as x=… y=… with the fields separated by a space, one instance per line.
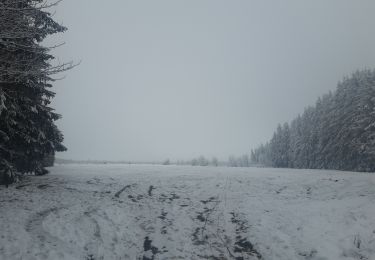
x=222 y=233
x=209 y=236
x=34 y=226
x=243 y=248
x=96 y=239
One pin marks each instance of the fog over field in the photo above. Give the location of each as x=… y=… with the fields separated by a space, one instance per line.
x=176 y=79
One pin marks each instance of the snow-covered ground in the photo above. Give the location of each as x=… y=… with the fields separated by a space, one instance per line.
x=173 y=212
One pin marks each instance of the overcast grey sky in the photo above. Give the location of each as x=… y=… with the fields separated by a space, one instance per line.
x=177 y=79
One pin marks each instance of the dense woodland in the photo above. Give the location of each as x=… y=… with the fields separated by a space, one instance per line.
x=337 y=133
x=28 y=134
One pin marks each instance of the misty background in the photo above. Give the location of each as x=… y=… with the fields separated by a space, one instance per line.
x=177 y=79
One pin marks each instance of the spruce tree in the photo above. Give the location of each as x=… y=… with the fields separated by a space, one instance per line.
x=27 y=130
x=337 y=133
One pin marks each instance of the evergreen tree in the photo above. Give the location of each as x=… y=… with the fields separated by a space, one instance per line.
x=27 y=130
x=337 y=133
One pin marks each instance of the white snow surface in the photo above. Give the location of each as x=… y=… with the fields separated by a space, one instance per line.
x=182 y=212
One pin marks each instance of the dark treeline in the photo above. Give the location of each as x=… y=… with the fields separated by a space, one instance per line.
x=337 y=133
x=28 y=134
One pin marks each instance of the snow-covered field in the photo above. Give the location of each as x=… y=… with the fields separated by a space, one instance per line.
x=173 y=212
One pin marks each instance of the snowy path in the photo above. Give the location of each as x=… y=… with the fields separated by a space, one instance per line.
x=170 y=212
